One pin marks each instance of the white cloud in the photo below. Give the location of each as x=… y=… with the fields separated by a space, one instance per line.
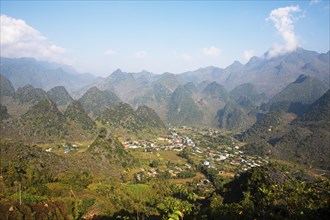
x=248 y=54
x=109 y=52
x=18 y=39
x=283 y=22
x=141 y=55
x=211 y=51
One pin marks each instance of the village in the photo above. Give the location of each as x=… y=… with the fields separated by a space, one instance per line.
x=228 y=159
x=168 y=155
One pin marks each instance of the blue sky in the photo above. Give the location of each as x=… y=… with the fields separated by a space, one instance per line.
x=160 y=36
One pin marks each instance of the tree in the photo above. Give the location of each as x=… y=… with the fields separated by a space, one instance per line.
x=102 y=133
x=154 y=163
x=174 y=208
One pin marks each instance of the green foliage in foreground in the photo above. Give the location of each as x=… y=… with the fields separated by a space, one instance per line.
x=272 y=191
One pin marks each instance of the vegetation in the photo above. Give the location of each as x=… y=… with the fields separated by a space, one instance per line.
x=44 y=120
x=272 y=192
x=96 y=101
x=149 y=117
x=76 y=113
x=59 y=95
x=183 y=109
x=296 y=96
x=62 y=190
x=124 y=121
x=29 y=94
x=44 y=123
x=6 y=88
x=246 y=90
x=216 y=91
x=127 y=165
x=108 y=148
x=304 y=140
x=309 y=137
x=263 y=127
x=3 y=113
x=232 y=117
x=318 y=112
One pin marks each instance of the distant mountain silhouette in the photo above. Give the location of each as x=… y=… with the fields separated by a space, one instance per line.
x=41 y=74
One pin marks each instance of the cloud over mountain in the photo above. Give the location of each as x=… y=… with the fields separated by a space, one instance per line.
x=283 y=21
x=18 y=39
x=247 y=54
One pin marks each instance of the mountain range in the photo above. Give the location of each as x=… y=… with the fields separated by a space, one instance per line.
x=123 y=121
x=42 y=74
x=248 y=141
x=269 y=75
x=33 y=115
x=195 y=97
x=297 y=95
x=304 y=139
x=264 y=93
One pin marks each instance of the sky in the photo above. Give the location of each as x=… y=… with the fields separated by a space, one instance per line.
x=160 y=36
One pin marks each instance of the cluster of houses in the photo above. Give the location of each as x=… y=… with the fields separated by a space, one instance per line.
x=174 y=171
x=226 y=159
x=229 y=157
x=235 y=161
x=232 y=158
x=172 y=142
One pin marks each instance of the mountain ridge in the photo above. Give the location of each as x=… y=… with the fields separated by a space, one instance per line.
x=42 y=74
x=263 y=72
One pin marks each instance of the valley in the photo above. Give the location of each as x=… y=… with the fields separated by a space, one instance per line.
x=215 y=150
x=147 y=146
x=187 y=167
x=164 y=110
